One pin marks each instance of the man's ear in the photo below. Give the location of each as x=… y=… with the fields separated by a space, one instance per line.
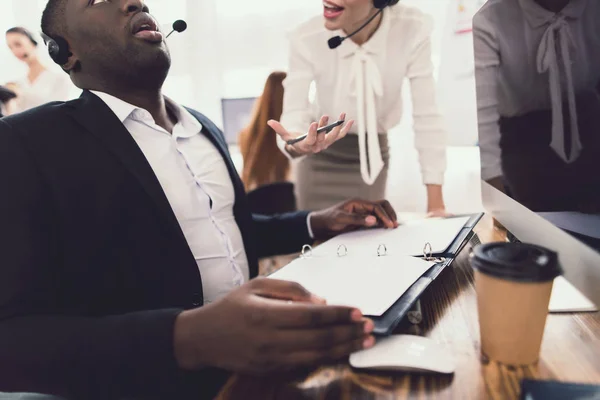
x=73 y=64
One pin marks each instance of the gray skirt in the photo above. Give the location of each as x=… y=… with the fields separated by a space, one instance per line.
x=333 y=176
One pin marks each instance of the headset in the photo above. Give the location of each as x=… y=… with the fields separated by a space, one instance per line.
x=336 y=41
x=58 y=49
x=381 y=4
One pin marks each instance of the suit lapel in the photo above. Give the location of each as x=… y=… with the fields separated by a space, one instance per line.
x=218 y=140
x=98 y=119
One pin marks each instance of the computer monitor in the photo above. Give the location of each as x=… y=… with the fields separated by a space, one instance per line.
x=537 y=73
x=236 y=115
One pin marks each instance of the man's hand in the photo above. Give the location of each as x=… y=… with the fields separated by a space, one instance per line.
x=253 y=331
x=352 y=215
x=314 y=143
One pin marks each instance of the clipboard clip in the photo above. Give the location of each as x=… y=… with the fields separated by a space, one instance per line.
x=307 y=251
x=428 y=254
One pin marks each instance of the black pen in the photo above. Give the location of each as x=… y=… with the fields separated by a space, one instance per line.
x=325 y=129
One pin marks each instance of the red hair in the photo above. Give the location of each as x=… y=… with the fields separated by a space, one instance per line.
x=263 y=161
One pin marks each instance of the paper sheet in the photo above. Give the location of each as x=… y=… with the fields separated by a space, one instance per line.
x=371 y=284
x=407 y=240
x=566 y=298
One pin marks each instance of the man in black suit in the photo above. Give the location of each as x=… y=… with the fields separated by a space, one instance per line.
x=122 y=249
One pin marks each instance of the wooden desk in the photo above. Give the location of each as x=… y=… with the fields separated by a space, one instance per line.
x=570 y=352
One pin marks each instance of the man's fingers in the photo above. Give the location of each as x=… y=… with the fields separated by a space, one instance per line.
x=322 y=339
x=306 y=316
x=364 y=207
x=355 y=219
x=334 y=353
x=280 y=130
x=390 y=211
x=283 y=290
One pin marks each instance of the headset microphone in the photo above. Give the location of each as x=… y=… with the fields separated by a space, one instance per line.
x=178 y=26
x=380 y=5
x=336 y=41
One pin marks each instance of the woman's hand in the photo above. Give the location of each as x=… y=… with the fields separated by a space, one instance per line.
x=435 y=202
x=314 y=143
x=13 y=87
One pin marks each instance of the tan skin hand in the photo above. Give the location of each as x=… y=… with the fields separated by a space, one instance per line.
x=252 y=331
x=435 y=202
x=314 y=143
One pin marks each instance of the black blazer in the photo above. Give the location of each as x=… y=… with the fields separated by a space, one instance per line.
x=94 y=267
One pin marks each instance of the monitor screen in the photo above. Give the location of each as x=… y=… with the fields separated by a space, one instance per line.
x=537 y=70
x=236 y=115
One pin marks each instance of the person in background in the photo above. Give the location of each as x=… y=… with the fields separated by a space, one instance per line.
x=363 y=77
x=127 y=243
x=263 y=162
x=537 y=73
x=41 y=85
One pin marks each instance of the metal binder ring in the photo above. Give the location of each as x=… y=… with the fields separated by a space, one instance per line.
x=382 y=250
x=342 y=250
x=307 y=251
x=427 y=252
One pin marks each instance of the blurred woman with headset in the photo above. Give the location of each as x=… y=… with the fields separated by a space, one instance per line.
x=41 y=85
x=380 y=44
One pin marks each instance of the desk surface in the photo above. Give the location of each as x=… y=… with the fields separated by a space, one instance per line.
x=570 y=352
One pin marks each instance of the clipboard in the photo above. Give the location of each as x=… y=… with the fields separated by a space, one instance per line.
x=405 y=305
x=397 y=279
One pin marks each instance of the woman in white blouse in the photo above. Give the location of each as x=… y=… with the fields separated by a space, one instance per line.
x=41 y=85
x=538 y=94
x=363 y=77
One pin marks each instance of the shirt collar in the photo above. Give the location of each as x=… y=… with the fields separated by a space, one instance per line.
x=538 y=16
x=123 y=110
x=375 y=45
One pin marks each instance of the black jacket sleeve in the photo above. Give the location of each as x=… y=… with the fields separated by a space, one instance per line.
x=281 y=234
x=43 y=349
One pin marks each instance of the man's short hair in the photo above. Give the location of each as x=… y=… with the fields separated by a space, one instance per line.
x=53 y=18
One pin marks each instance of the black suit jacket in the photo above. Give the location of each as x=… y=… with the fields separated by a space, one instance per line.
x=94 y=267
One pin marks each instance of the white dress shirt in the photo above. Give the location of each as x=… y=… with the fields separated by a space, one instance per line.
x=528 y=59
x=197 y=184
x=366 y=82
x=49 y=86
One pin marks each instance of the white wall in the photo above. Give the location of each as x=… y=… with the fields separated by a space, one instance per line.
x=231 y=46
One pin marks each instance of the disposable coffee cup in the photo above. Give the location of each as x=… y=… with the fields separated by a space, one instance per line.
x=513 y=283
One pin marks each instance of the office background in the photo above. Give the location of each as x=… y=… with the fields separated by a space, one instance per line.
x=231 y=46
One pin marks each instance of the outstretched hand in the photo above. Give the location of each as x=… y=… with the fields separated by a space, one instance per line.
x=314 y=142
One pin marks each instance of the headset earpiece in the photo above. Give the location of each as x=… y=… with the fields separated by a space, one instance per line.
x=384 y=3
x=58 y=49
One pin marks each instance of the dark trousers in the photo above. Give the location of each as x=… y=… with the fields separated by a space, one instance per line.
x=536 y=176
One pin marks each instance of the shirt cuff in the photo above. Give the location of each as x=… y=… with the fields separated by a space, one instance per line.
x=309 y=226
x=433 y=178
